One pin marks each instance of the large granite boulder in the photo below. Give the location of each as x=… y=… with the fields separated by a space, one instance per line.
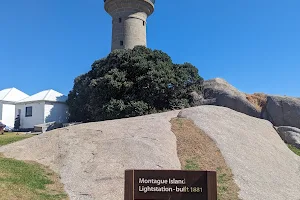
x=290 y=135
x=263 y=167
x=282 y=111
x=91 y=157
x=197 y=99
x=228 y=96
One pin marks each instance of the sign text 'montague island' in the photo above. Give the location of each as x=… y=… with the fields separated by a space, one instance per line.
x=170 y=185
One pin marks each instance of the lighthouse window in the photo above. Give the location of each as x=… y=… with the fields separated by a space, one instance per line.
x=120 y=20
x=143 y=23
x=121 y=43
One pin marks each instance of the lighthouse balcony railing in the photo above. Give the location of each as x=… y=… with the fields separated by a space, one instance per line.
x=153 y=1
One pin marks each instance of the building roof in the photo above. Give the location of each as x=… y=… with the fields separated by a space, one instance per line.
x=12 y=95
x=46 y=95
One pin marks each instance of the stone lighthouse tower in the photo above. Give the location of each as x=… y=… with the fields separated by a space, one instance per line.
x=129 y=21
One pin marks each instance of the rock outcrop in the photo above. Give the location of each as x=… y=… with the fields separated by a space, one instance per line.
x=282 y=111
x=264 y=168
x=91 y=158
x=290 y=135
x=228 y=96
x=198 y=100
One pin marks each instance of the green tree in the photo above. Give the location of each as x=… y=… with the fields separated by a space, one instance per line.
x=130 y=83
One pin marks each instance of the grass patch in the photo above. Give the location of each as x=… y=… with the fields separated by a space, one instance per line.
x=197 y=151
x=27 y=181
x=191 y=165
x=294 y=149
x=9 y=137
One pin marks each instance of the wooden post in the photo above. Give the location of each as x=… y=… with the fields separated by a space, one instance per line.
x=129 y=187
x=212 y=186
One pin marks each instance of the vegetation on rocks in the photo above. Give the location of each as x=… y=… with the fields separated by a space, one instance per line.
x=197 y=151
x=130 y=83
x=8 y=138
x=26 y=181
x=259 y=100
x=294 y=149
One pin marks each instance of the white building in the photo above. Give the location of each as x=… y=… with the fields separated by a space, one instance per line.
x=43 y=107
x=8 y=99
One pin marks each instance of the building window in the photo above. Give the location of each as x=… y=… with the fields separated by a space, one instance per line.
x=120 y=20
x=144 y=23
x=121 y=43
x=28 y=112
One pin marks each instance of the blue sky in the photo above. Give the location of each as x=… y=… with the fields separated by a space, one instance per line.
x=253 y=44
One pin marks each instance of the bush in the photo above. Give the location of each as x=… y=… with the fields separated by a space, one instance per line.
x=130 y=83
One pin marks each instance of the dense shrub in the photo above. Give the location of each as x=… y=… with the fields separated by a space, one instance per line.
x=130 y=83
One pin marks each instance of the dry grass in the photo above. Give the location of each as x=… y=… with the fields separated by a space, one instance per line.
x=259 y=100
x=197 y=151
